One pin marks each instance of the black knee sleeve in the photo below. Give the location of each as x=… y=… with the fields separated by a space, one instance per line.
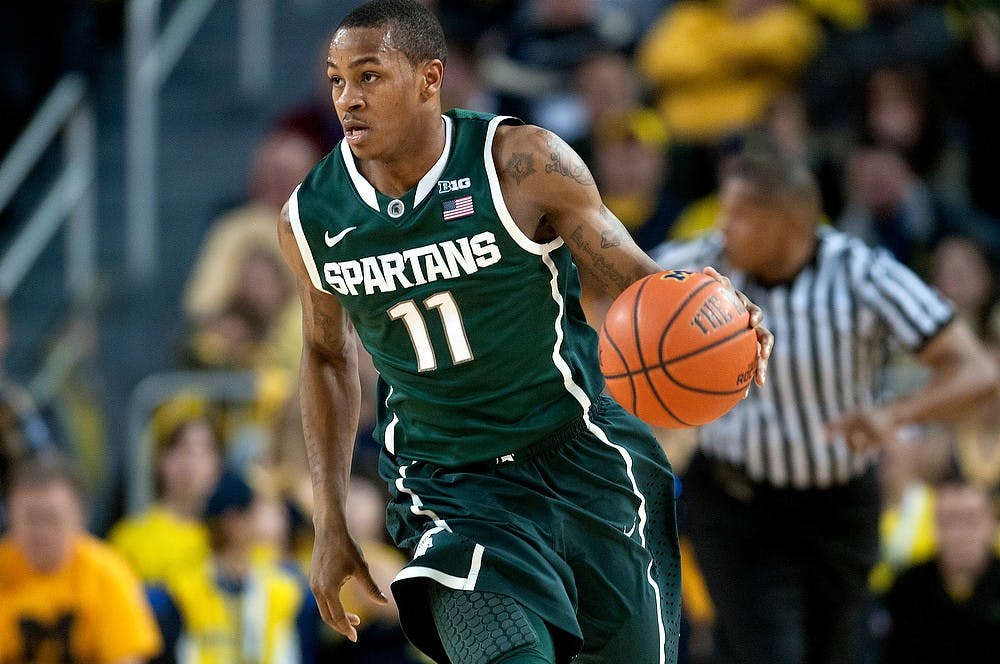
x=479 y=627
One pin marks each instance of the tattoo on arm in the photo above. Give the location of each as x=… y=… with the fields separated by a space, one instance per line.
x=611 y=237
x=520 y=166
x=604 y=271
x=570 y=166
x=610 y=279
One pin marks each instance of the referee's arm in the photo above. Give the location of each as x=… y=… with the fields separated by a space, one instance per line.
x=962 y=376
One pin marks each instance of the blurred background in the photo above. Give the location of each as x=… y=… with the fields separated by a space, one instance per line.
x=146 y=147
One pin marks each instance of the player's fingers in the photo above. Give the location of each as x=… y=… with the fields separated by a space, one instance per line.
x=342 y=621
x=766 y=341
x=721 y=278
x=371 y=588
x=760 y=377
x=324 y=610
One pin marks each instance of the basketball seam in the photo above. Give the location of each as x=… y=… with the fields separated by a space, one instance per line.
x=638 y=345
x=667 y=373
x=627 y=374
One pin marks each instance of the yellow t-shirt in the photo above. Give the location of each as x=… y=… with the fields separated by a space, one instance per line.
x=717 y=74
x=93 y=610
x=256 y=626
x=158 y=544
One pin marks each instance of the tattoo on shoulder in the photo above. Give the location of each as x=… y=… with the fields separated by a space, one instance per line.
x=570 y=166
x=520 y=166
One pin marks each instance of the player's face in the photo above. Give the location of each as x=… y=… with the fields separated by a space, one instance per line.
x=751 y=229
x=375 y=89
x=43 y=521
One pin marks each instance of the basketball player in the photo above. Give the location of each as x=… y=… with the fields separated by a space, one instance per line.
x=540 y=515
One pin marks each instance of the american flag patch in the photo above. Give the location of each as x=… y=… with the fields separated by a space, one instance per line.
x=458 y=208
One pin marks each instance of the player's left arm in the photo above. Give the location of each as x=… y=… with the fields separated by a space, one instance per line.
x=551 y=193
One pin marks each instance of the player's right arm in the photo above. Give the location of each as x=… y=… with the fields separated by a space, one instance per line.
x=330 y=392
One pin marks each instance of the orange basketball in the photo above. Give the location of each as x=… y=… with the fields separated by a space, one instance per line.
x=677 y=350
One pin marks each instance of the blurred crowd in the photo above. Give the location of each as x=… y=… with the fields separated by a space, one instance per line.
x=894 y=104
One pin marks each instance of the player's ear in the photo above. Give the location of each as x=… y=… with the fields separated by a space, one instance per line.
x=432 y=73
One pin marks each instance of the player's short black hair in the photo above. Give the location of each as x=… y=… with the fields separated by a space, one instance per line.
x=415 y=30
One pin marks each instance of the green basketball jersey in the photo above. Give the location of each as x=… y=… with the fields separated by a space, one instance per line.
x=476 y=330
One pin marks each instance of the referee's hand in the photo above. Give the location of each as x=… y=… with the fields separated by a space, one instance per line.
x=864 y=429
x=765 y=340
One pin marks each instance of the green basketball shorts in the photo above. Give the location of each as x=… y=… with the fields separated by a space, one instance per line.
x=578 y=528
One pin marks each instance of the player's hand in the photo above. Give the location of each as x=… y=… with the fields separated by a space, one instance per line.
x=765 y=340
x=336 y=559
x=865 y=428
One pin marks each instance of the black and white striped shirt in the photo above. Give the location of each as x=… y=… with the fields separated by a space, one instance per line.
x=833 y=325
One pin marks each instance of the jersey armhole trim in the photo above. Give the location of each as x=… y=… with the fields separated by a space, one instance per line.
x=506 y=218
x=300 y=240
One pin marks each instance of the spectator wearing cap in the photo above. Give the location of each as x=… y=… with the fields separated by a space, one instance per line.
x=170 y=536
x=234 y=607
x=64 y=595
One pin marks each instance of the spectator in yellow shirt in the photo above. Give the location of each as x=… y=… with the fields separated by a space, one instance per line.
x=66 y=596
x=232 y=607
x=170 y=536
x=717 y=67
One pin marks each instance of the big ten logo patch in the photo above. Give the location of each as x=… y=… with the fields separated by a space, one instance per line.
x=444 y=186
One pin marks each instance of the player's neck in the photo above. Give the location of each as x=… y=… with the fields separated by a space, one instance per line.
x=396 y=174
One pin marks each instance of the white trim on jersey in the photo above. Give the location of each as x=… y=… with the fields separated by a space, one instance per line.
x=364 y=188
x=417 y=506
x=300 y=240
x=642 y=518
x=448 y=580
x=389 y=436
x=557 y=359
x=500 y=205
x=425 y=186
x=581 y=396
x=428 y=183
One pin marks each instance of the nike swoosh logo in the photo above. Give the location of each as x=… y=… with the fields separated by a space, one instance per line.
x=332 y=241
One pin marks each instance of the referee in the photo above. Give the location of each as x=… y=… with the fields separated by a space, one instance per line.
x=782 y=497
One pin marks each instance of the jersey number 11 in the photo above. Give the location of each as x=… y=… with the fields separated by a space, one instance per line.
x=451 y=320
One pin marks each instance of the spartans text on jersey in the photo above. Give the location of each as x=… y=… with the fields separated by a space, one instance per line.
x=404 y=269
